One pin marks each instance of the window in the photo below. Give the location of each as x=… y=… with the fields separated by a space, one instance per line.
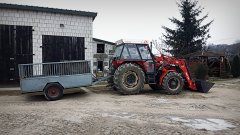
x=125 y=53
x=143 y=49
x=118 y=51
x=130 y=52
x=100 y=66
x=100 y=48
x=133 y=52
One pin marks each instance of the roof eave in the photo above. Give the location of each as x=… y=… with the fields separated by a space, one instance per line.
x=46 y=9
x=100 y=40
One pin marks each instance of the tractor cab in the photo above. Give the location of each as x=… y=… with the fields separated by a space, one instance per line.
x=135 y=52
x=132 y=51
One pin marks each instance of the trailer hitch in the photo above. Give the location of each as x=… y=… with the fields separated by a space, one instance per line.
x=96 y=81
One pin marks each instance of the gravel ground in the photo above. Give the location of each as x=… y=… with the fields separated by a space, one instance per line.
x=98 y=110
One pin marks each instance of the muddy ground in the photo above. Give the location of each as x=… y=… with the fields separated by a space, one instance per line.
x=98 y=110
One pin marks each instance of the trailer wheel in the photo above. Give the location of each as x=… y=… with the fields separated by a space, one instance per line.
x=129 y=79
x=155 y=86
x=53 y=91
x=172 y=83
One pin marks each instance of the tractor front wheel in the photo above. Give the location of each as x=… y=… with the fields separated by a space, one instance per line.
x=173 y=83
x=129 y=79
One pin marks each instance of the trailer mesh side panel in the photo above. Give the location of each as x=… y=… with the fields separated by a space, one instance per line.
x=54 y=69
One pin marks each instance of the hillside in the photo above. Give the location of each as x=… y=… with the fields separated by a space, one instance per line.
x=229 y=50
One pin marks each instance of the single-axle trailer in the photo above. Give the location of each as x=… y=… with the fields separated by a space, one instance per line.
x=52 y=78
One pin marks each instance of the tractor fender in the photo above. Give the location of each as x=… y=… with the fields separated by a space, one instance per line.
x=139 y=63
x=164 y=73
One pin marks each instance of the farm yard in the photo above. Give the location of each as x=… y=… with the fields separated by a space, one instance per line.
x=99 y=110
x=168 y=53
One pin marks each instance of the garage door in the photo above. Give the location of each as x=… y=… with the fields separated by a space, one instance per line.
x=15 y=48
x=62 y=48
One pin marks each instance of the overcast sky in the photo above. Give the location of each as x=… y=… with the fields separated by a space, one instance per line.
x=143 y=19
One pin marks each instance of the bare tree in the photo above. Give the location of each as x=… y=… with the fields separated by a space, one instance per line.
x=160 y=46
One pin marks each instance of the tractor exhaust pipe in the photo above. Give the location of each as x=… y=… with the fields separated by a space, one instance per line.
x=203 y=86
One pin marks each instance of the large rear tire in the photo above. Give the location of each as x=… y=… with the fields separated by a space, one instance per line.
x=110 y=80
x=111 y=83
x=173 y=83
x=129 y=79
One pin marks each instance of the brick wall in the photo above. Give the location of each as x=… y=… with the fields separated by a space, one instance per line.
x=49 y=24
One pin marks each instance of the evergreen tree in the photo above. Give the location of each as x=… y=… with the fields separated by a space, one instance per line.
x=235 y=69
x=189 y=36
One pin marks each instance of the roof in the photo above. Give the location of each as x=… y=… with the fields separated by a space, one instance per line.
x=130 y=41
x=104 y=41
x=47 y=9
x=204 y=53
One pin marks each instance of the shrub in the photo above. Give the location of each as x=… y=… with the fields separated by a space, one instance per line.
x=201 y=72
x=235 y=67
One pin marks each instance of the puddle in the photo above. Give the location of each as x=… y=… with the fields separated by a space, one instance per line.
x=162 y=101
x=208 y=124
x=124 y=115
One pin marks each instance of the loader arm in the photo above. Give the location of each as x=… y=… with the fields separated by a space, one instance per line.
x=183 y=66
x=195 y=85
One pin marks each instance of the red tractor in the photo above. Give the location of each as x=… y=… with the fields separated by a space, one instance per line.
x=134 y=65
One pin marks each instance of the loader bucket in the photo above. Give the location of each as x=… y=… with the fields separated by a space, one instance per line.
x=203 y=86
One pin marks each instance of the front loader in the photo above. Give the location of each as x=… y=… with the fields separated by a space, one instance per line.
x=134 y=65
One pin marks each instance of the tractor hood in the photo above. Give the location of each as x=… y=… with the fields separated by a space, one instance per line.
x=164 y=58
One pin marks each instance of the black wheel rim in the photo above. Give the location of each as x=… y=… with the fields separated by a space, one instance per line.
x=173 y=83
x=130 y=79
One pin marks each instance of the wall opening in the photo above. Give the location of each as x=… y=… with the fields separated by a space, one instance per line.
x=100 y=48
x=62 y=48
x=15 y=48
x=100 y=66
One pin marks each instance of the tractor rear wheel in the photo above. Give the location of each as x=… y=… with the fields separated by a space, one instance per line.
x=155 y=86
x=173 y=83
x=111 y=83
x=129 y=79
x=110 y=80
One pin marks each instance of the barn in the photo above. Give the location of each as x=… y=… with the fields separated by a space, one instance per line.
x=30 y=34
x=216 y=62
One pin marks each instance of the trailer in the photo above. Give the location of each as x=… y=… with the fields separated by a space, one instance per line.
x=52 y=78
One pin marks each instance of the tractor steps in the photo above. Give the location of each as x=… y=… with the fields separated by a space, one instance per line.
x=150 y=79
